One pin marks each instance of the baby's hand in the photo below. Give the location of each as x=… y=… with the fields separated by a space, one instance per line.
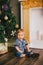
x=17 y=48
x=21 y=51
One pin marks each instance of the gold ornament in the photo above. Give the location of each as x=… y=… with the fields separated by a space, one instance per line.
x=6 y=39
x=12 y=12
x=6 y=17
x=17 y=26
x=4 y=32
x=2 y=6
x=13 y=32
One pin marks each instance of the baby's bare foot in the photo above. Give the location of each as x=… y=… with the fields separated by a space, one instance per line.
x=23 y=55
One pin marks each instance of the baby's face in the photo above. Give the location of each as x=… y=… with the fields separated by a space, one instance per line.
x=20 y=35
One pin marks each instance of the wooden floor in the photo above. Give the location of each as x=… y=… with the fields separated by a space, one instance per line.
x=10 y=58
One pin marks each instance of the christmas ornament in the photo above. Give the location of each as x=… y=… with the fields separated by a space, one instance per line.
x=5 y=7
x=12 y=12
x=13 y=32
x=17 y=26
x=4 y=32
x=6 y=17
x=2 y=6
x=6 y=39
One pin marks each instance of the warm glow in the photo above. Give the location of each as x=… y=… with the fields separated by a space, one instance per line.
x=32 y=3
x=22 y=0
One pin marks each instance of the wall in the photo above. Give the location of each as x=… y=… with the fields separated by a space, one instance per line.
x=26 y=5
x=16 y=10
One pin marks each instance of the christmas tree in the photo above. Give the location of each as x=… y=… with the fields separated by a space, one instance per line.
x=8 y=23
